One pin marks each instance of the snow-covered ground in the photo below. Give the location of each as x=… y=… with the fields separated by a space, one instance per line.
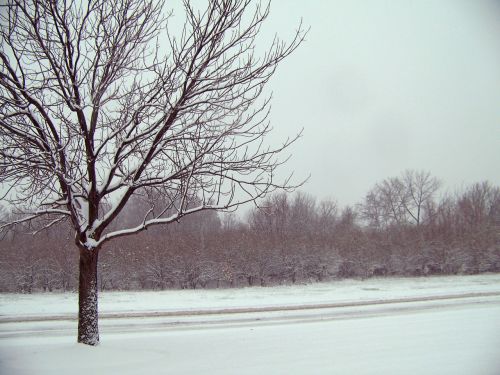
x=459 y=335
x=48 y=304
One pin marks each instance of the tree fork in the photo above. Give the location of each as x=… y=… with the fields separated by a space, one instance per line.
x=88 y=329
x=157 y=120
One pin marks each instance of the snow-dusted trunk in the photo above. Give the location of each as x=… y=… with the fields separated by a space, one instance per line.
x=88 y=330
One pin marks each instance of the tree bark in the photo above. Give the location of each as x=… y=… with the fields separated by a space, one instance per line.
x=88 y=330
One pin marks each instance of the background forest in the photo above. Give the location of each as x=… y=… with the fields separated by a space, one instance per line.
x=405 y=226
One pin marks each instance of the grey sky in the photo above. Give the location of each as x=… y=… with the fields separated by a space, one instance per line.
x=382 y=86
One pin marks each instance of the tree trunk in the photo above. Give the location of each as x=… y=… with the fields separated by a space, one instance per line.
x=88 y=330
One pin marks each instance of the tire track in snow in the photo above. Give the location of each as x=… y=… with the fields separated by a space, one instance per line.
x=126 y=322
x=138 y=325
x=241 y=310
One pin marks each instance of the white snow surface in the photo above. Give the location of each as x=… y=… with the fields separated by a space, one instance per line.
x=48 y=304
x=456 y=337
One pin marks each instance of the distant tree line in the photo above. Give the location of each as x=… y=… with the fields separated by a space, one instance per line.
x=401 y=228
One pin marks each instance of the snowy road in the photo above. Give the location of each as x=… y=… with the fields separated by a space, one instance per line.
x=441 y=326
x=452 y=336
x=141 y=321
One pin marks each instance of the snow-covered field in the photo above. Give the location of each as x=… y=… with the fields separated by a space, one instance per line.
x=439 y=325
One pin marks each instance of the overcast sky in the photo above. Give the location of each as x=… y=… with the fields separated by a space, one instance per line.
x=382 y=86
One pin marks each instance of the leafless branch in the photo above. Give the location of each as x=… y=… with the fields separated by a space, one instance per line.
x=99 y=101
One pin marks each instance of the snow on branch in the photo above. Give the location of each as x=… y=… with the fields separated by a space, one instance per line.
x=102 y=101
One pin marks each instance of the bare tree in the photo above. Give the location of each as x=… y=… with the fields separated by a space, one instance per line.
x=400 y=200
x=420 y=188
x=100 y=101
x=385 y=203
